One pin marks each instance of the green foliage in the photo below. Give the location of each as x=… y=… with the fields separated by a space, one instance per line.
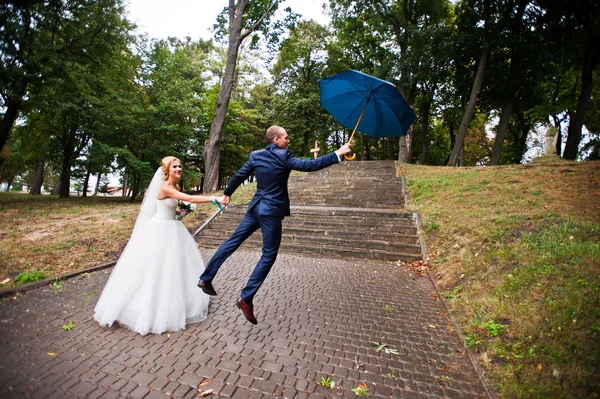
x=326 y=382
x=361 y=391
x=30 y=277
x=57 y=286
x=68 y=327
x=380 y=346
x=493 y=329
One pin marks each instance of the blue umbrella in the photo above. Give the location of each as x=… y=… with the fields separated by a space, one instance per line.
x=371 y=105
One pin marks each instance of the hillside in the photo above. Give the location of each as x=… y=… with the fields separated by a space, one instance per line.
x=515 y=250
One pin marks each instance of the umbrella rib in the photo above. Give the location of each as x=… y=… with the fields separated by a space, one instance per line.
x=353 y=90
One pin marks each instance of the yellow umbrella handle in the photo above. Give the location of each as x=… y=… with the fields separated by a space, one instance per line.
x=353 y=156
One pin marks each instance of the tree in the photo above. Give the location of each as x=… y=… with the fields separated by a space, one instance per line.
x=39 y=38
x=517 y=59
x=240 y=21
x=586 y=13
x=392 y=40
x=477 y=82
x=299 y=67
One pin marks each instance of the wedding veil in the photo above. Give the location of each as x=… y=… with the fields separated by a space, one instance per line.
x=149 y=204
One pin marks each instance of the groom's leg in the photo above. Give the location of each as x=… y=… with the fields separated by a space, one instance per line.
x=247 y=226
x=271 y=232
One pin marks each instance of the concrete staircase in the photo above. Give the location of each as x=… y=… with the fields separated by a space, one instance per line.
x=352 y=210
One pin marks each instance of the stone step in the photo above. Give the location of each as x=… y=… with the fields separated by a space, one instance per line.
x=365 y=193
x=346 y=216
x=397 y=204
x=412 y=247
x=347 y=178
x=353 y=239
x=323 y=251
x=350 y=210
x=320 y=212
x=395 y=230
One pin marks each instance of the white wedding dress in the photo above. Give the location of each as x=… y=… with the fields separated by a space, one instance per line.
x=152 y=289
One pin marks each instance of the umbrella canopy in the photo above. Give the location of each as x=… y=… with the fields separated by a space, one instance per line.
x=371 y=105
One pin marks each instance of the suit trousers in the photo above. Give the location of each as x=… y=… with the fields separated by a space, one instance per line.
x=271 y=232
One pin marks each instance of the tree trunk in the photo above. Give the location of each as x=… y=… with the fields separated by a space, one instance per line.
x=56 y=188
x=13 y=105
x=124 y=191
x=65 y=171
x=36 y=189
x=405 y=143
x=213 y=145
x=9 y=183
x=468 y=116
x=559 y=138
x=390 y=148
x=502 y=128
x=367 y=148
x=512 y=82
x=86 y=183
x=522 y=143
x=424 y=132
x=576 y=124
x=97 y=185
x=135 y=186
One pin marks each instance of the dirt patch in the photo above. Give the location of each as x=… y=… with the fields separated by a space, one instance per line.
x=36 y=235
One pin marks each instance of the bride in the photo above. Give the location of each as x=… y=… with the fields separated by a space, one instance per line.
x=152 y=289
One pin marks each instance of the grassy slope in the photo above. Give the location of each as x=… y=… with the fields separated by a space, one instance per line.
x=44 y=236
x=516 y=251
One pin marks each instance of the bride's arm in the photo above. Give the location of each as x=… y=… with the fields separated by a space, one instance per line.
x=170 y=192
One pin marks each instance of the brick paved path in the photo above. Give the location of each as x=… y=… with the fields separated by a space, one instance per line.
x=317 y=317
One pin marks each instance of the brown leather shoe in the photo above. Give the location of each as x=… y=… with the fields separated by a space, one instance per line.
x=207 y=287
x=247 y=310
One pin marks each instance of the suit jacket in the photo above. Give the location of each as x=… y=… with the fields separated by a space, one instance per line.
x=272 y=167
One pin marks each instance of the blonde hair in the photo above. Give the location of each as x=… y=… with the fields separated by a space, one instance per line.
x=165 y=165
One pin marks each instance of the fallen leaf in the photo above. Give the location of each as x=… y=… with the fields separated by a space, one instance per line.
x=540 y=367
x=432 y=326
x=202 y=393
x=51 y=354
x=6 y=280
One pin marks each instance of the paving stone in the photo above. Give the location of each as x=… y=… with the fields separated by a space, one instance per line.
x=143 y=379
x=82 y=389
x=314 y=320
x=190 y=379
x=157 y=395
x=139 y=392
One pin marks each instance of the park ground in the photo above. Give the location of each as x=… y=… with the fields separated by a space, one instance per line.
x=513 y=249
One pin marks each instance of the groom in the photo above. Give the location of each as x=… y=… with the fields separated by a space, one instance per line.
x=266 y=211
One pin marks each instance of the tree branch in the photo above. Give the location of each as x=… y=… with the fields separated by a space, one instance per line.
x=257 y=24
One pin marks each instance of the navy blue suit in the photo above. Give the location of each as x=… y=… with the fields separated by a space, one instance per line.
x=266 y=211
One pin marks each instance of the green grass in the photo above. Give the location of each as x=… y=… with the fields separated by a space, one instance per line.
x=30 y=277
x=517 y=252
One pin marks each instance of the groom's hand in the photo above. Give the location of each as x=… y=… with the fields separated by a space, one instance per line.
x=226 y=199
x=345 y=149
